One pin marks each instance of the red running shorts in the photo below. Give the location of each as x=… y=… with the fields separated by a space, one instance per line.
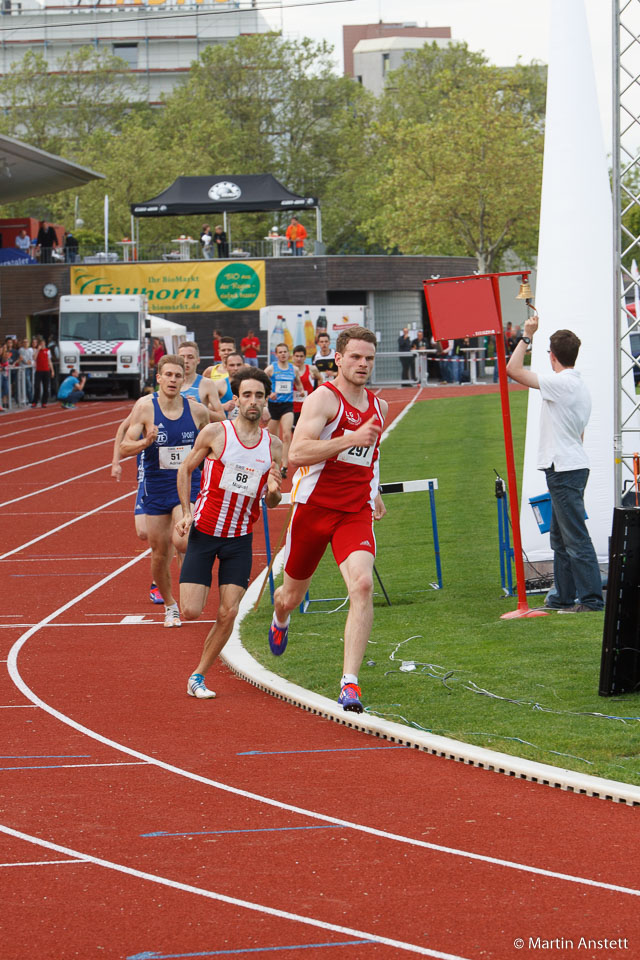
x=312 y=528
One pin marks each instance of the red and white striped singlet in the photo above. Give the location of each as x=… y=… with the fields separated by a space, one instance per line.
x=229 y=500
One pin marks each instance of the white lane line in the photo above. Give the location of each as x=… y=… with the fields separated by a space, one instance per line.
x=233 y=901
x=401 y=415
x=61 y=436
x=42 y=863
x=14 y=673
x=62 y=483
x=17 y=706
x=62 y=526
x=83 y=420
x=105 y=623
x=57 y=456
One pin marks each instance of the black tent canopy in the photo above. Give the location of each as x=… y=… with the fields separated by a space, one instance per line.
x=223 y=194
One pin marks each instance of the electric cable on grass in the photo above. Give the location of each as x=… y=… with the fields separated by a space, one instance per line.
x=409 y=666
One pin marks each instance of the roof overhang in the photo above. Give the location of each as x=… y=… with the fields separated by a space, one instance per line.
x=28 y=172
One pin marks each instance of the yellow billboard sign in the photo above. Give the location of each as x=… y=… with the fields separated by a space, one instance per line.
x=179 y=286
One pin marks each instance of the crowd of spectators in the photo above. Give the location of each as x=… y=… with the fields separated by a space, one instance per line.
x=27 y=371
x=45 y=246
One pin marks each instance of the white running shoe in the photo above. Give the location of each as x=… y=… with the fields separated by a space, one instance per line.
x=172 y=616
x=196 y=687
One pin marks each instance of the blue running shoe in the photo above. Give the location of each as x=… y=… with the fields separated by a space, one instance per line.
x=349 y=698
x=154 y=594
x=278 y=639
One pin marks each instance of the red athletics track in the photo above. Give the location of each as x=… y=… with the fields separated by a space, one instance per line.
x=136 y=822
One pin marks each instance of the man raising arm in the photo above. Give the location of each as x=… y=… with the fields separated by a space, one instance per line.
x=566 y=407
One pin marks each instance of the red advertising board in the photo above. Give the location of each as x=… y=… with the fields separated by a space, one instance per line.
x=462 y=307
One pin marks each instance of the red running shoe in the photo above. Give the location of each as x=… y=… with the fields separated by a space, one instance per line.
x=154 y=594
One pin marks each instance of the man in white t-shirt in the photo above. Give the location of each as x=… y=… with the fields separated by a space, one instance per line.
x=566 y=407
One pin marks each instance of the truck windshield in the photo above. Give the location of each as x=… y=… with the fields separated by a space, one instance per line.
x=121 y=325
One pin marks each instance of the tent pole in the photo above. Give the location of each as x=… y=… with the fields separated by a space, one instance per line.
x=225 y=226
x=318 y=225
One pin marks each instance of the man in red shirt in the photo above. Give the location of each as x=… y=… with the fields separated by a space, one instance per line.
x=249 y=346
x=296 y=236
x=336 y=499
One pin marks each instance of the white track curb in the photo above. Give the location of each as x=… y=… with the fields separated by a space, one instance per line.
x=244 y=665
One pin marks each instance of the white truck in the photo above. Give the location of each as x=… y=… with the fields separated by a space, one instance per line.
x=104 y=337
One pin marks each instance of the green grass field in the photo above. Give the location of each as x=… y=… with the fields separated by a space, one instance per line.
x=527 y=687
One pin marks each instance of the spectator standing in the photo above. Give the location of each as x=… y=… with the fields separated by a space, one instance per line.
x=43 y=375
x=408 y=362
x=70 y=247
x=26 y=361
x=250 y=346
x=71 y=390
x=220 y=240
x=206 y=242
x=566 y=408
x=157 y=353
x=296 y=236
x=216 y=347
x=5 y=359
x=46 y=242
x=54 y=353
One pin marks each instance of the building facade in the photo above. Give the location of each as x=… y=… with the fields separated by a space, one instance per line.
x=158 y=39
x=352 y=34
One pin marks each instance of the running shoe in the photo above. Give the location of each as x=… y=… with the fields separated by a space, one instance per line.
x=349 y=698
x=154 y=594
x=278 y=638
x=172 y=616
x=196 y=687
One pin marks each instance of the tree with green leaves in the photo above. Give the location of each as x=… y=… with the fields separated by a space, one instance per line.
x=55 y=109
x=467 y=180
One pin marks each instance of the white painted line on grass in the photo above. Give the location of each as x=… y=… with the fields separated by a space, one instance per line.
x=62 y=526
x=233 y=901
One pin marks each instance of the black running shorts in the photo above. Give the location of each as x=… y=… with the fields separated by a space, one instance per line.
x=234 y=555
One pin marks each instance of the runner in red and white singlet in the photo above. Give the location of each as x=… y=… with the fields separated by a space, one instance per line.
x=309 y=377
x=336 y=499
x=349 y=480
x=241 y=465
x=229 y=500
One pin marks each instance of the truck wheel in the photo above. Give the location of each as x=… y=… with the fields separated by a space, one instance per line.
x=134 y=390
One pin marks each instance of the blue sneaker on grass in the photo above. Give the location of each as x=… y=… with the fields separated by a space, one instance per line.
x=349 y=698
x=278 y=639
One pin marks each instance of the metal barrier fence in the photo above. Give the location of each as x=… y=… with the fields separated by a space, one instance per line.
x=16 y=385
x=426 y=368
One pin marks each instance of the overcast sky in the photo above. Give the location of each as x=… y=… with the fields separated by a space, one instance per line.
x=504 y=29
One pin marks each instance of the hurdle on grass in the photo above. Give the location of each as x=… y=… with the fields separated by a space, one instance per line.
x=406 y=486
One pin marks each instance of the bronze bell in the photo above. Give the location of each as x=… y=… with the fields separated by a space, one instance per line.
x=525 y=291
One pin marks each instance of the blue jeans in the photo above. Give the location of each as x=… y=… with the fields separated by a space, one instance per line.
x=575 y=564
x=251 y=361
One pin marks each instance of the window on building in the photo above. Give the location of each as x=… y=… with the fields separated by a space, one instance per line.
x=127 y=52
